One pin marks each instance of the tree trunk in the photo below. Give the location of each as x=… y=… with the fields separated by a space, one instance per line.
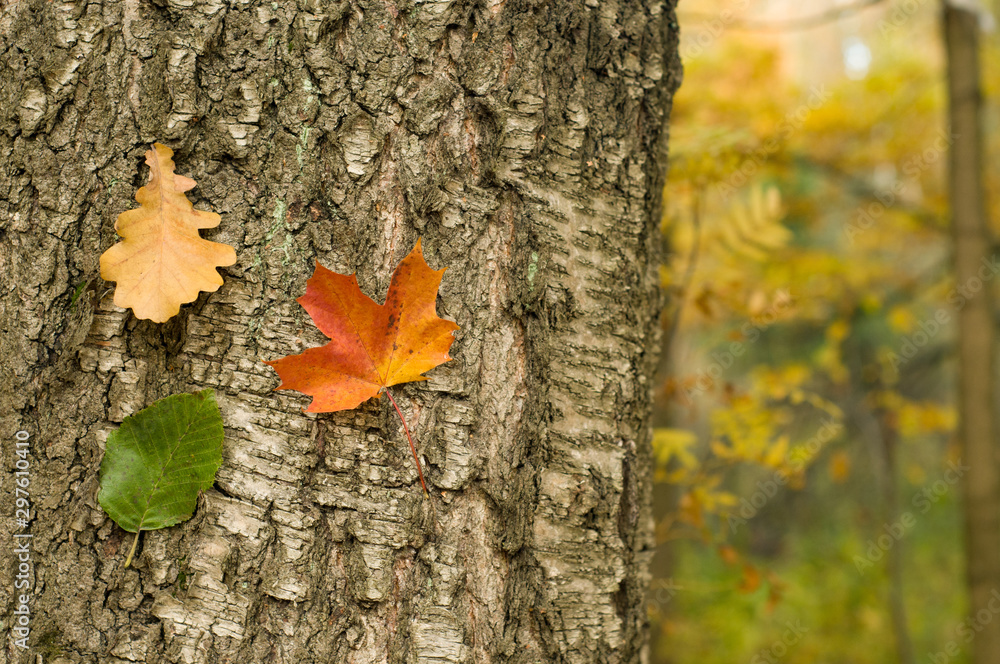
x=976 y=342
x=523 y=142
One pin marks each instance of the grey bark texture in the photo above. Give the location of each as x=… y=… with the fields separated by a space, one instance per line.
x=523 y=141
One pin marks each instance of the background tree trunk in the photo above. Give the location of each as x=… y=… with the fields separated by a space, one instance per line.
x=976 y=336
x=523 y=141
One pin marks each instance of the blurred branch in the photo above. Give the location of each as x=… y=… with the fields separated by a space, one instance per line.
x=688 y=277
x=798 y=23
x=863 y=188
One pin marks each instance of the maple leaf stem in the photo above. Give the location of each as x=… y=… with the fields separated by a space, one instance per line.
x=413 y=448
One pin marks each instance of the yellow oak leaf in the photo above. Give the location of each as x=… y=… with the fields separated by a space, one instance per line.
x=162 y=262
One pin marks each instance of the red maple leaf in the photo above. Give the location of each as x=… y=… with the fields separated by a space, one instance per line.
x=372 y=346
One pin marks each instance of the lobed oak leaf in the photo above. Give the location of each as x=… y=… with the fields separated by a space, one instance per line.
x=162 y=262
x=372 y=346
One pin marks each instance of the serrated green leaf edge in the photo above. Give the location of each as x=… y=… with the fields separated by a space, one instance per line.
x=158 y=461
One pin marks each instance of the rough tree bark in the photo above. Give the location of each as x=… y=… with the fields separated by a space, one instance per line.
x=977 y=368
x=523 y=141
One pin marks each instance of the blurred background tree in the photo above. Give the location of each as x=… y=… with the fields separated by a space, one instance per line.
x=811 y=472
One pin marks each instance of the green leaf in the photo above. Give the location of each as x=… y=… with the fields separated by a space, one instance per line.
x=158 y=461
